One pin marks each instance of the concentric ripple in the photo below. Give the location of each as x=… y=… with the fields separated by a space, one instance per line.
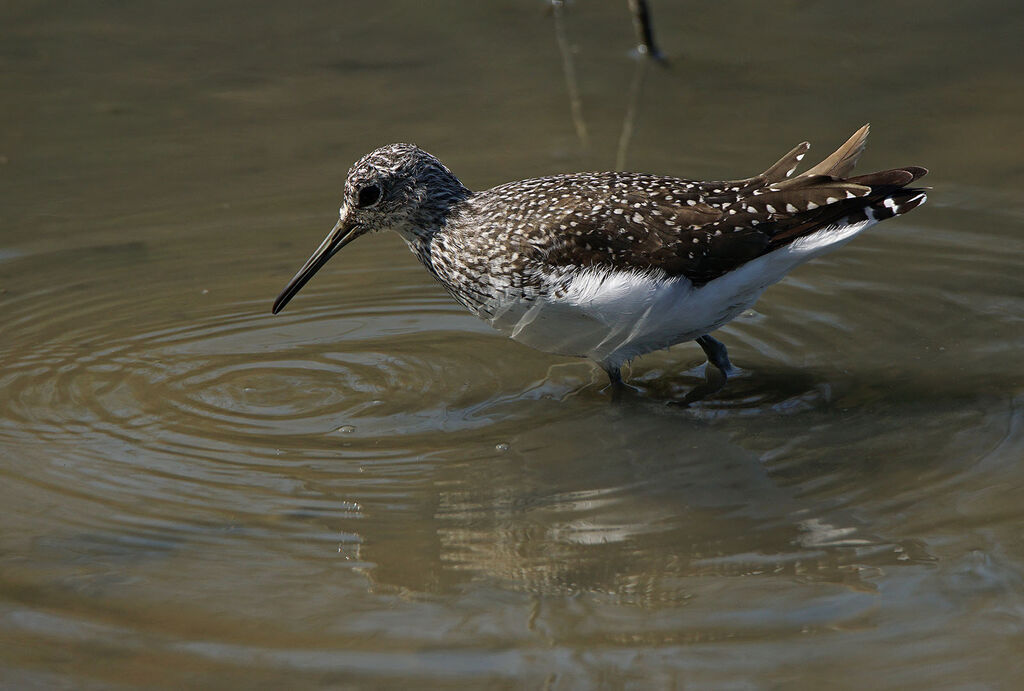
x=236 y=376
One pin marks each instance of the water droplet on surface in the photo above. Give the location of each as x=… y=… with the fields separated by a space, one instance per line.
x=501 y=447
x=347 y=429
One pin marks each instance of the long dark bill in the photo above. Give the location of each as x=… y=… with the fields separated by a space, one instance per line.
x=343 y=233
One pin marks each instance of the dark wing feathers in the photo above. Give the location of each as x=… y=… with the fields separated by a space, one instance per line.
x=703 y=230
x=897 y=177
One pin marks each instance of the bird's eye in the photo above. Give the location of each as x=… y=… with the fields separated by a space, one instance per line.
x=368 y=196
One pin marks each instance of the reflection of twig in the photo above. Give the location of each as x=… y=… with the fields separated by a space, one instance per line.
x=635 y=87
x=646 y=49
x=644 y=32
x=575 y=102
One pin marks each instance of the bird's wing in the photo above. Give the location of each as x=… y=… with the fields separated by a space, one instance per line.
x=702 y=230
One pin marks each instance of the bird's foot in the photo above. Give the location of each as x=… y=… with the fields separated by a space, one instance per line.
x=616 y=386
x=716 y=373
x=717 y=354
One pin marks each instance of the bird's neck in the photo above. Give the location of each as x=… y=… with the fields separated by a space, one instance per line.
x=432 y=215
x=430 y=221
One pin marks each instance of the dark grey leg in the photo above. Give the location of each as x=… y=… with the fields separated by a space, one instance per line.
x=713 y=381
x=615 y=377
x=716 y=353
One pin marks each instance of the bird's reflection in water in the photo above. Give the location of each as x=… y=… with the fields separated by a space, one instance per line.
x=628 y=512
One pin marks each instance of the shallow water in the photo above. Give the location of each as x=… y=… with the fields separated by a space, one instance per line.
x=373 y=488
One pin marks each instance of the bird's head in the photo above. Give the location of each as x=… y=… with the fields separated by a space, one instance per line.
x=398 y=187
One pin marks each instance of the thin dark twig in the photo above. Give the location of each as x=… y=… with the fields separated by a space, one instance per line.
x=644 y=30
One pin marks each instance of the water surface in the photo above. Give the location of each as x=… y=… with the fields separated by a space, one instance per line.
x=373 y=488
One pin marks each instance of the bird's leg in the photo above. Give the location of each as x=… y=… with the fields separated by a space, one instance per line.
x=615 y=377
x=716 y=353
x=717 y=356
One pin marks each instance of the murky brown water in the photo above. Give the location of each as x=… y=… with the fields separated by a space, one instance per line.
x=373 y=488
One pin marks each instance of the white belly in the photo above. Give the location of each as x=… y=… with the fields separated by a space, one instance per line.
x=613 y=316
